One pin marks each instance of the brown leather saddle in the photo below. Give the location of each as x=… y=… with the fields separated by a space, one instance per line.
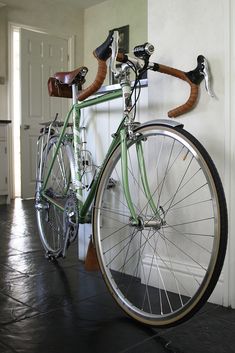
x=70 y=77
x=61 y=84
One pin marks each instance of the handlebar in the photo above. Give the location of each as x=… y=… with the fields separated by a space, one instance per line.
x=194 y=89
x=193 y=78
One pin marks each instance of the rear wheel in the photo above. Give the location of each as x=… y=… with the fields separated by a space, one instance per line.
x=161 y=274
x=51 y=217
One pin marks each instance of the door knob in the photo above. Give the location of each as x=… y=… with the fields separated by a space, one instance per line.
x=26 y=127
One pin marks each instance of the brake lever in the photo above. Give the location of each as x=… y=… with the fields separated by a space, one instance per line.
x=114 y=48
x=207 y=76
x=202 y=72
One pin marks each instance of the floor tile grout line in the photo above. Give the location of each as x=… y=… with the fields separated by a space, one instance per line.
x=231 y=322
x=9 y=347
x=19 y=301
x=156 y=335
x=19 y=252
x=13 y=269
x=27 y=274
x=20 y=320
x=44 y=313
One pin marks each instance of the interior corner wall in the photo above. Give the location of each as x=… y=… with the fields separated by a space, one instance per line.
x=101 y=18
x=180 y=31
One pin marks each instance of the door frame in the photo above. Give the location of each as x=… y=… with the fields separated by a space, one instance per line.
x=71 y=66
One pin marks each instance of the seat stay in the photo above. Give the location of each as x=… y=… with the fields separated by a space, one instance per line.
x=62 y=134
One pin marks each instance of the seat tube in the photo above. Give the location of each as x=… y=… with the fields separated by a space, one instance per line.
x=77 y=144
x=125 y=180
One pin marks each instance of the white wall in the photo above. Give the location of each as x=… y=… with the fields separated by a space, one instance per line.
x=181 y=30
x=101 y=121
x=231 y=152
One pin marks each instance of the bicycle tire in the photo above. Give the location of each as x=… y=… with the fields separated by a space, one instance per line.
x=161 y=277
x=50 y=217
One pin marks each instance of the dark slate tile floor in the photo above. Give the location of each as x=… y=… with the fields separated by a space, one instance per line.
x=59 y=307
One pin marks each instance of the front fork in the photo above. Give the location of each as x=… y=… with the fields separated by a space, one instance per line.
x=136 y=220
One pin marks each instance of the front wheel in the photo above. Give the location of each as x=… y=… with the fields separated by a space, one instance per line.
x=161 y=273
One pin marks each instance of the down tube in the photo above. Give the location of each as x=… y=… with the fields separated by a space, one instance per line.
x=91 y=195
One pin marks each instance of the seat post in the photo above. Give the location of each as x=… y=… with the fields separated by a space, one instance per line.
x=74 y=93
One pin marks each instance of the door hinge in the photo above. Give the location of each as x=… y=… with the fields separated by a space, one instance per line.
x=68 y=57
x=6 y=150
x=6 y=180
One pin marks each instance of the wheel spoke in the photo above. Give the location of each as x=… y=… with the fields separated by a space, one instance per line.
x=159 y=269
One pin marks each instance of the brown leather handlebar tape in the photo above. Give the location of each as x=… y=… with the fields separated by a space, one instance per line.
x=100 y=77
x=184 y=108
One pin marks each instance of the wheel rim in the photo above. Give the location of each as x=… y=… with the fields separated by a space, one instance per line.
x=50 y=216
x=159 y=275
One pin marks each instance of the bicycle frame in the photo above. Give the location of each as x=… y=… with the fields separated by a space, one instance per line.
x=119 y=137
x=159 y=220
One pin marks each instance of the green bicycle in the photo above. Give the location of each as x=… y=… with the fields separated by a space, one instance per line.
x=156 y=203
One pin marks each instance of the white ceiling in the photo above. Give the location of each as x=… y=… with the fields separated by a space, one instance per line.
x=82 y=4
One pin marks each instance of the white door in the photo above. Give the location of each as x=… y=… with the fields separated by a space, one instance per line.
x=41 y=55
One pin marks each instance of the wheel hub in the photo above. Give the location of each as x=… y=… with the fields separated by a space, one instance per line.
x=148 y=223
